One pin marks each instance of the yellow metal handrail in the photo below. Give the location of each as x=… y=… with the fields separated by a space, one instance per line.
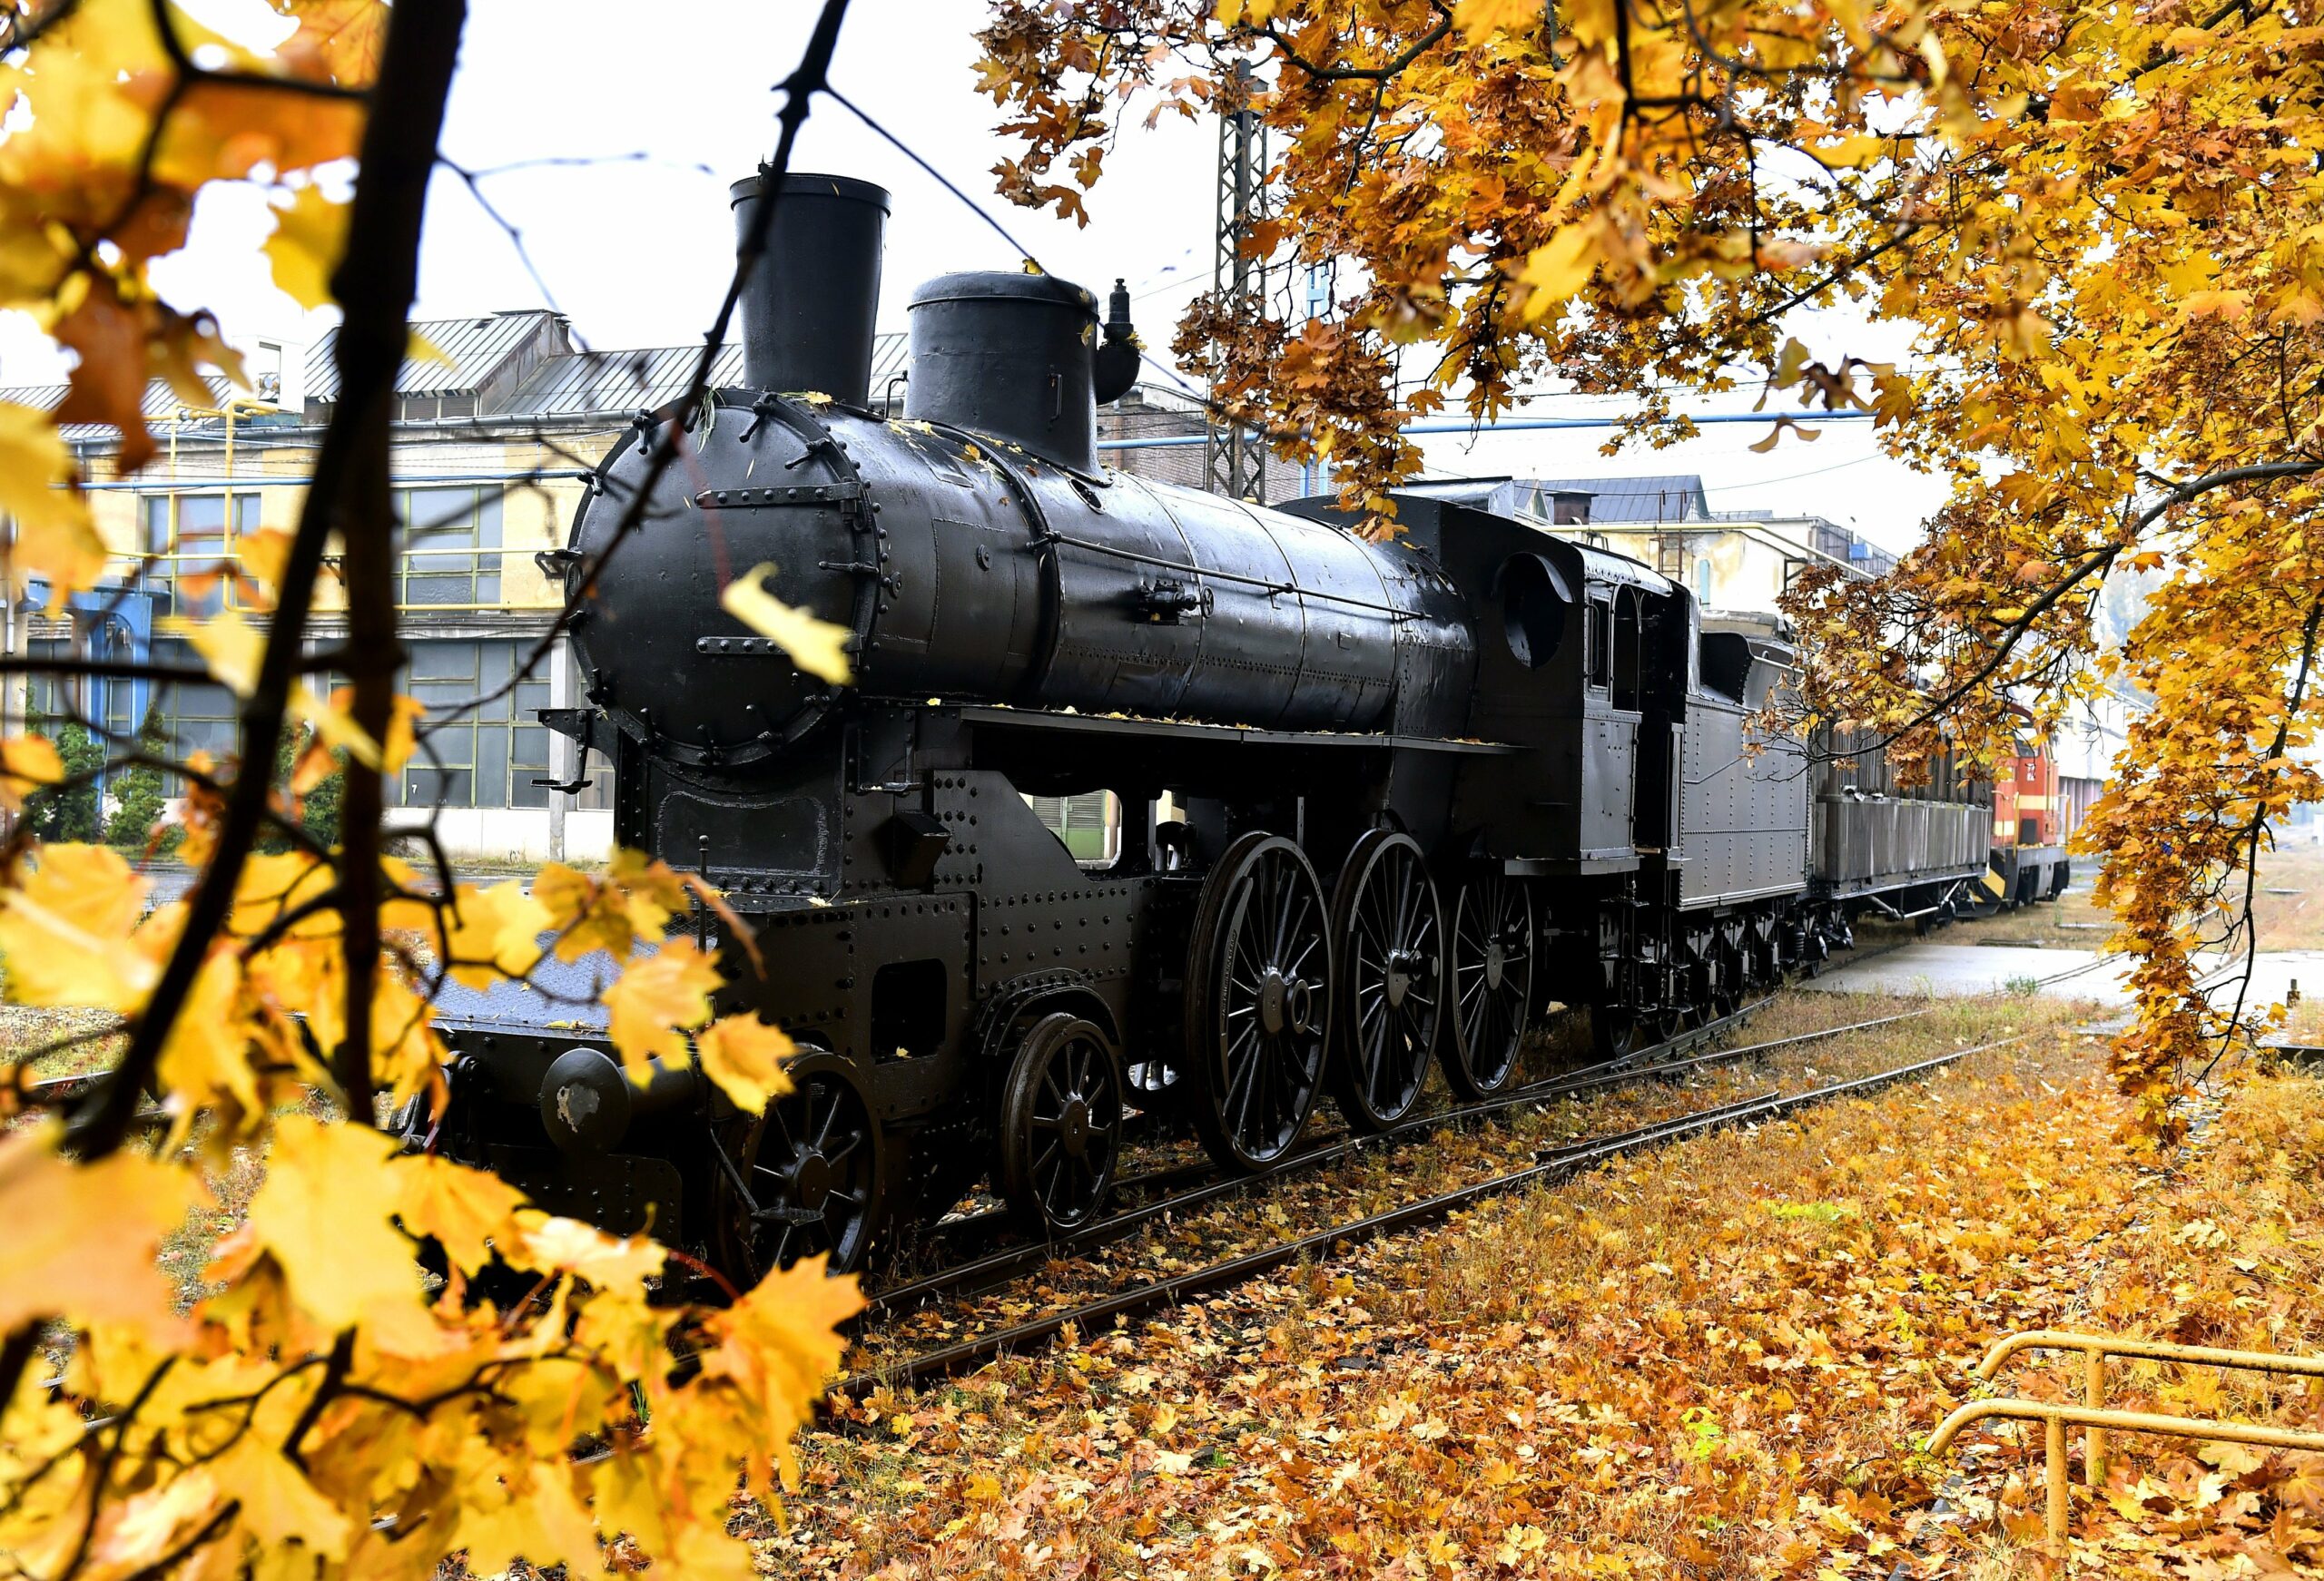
x=2096 y=1348
x=2097 y=1420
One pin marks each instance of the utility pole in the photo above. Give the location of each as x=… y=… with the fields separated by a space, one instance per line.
x=1234 y=458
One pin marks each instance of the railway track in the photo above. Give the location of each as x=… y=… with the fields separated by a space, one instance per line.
x=1179 y=1188
x=1182 y=1187
x=1551 y=1165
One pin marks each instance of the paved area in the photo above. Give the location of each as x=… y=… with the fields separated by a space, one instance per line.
x=1964 y=970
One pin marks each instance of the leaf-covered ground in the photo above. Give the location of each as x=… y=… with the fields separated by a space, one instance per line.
x=1716 y=1360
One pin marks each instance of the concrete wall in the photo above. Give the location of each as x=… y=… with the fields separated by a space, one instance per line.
x=514 y=836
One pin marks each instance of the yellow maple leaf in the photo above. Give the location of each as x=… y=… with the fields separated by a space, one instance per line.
x=616 y=1264
x=1554 y=271
x=263 y=553
x=780 y=1344
x=466 y=1210
x=65 y=930
x=325 y=1212
x=54 y=536
x=655 y=1000
x=1483 y=18
x=544 y=1524
x=278 y=1505
x=229 y=644
x=27 y=763
x=406 y=1049
x=307 y=239
x=83 y=1238
x=495 y=933
x=206 y=1062
x=816 y=645
x=744 y=1057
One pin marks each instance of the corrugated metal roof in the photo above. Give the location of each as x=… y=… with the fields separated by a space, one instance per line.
x=472 y=347
x=161 y=401
x=626 y=381
x=1671 y=497
x=615 y=381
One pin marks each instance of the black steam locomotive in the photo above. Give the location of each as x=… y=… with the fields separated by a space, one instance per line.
x=1382 y=804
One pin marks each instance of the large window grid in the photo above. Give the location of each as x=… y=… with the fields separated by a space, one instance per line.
x=186 y=535
x=487 y=756
x=450 y=555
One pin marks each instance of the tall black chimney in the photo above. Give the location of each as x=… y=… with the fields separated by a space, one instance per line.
x=809 y=309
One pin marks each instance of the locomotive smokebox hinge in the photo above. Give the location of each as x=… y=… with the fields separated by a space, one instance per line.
x=1165 y=602
x=914 y=841
x=801 y=494
x=556 y=564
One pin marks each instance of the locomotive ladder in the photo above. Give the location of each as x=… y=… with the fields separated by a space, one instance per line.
x=2097 y=1421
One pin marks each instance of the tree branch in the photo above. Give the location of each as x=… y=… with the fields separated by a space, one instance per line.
x=375 y=283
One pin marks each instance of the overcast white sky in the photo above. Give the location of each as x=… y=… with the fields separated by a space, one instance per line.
x=666 y=105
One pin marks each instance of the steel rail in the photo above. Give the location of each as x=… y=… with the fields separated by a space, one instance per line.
x=1622 y=1070
x=1010 y=1261
x=1554 y=1170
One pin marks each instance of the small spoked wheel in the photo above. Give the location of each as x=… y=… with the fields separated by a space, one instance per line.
x=1259 y=1001
x=1700 y=982
x=1389 y=931
x=1618 y=1031
x=812 y=1167
x=1493 y=982
x=1060 y=1124
x=1727 y=995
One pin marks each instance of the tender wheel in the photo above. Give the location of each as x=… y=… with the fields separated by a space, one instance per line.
x=1615 y=1031
x=1726 y=999
x=1259 y=1001
x=1696 y=983
x=1060 y=1124
x=1492 y=984
x=1390 y=984
x=812 y=1164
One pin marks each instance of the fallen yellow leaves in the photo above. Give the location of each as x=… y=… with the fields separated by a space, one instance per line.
x=1721 y=1356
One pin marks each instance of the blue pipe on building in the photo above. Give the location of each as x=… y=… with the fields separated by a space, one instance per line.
x=1514 y=424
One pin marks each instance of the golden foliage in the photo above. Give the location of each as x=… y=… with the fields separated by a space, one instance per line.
x=2102 y=225
x=326 y=1404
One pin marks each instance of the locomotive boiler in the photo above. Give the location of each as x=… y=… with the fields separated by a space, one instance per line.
x=1381 y=803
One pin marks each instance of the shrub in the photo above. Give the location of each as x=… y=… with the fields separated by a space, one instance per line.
x=137 y=792
x=67 y=812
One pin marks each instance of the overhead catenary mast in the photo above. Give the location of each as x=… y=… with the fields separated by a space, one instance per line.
x=1234 y=456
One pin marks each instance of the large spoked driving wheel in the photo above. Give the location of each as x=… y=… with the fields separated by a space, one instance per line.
x=1391 y=979
x=1259 y=1001
x=810 y=1165
x=1060 y=1124
x=1493 y=982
